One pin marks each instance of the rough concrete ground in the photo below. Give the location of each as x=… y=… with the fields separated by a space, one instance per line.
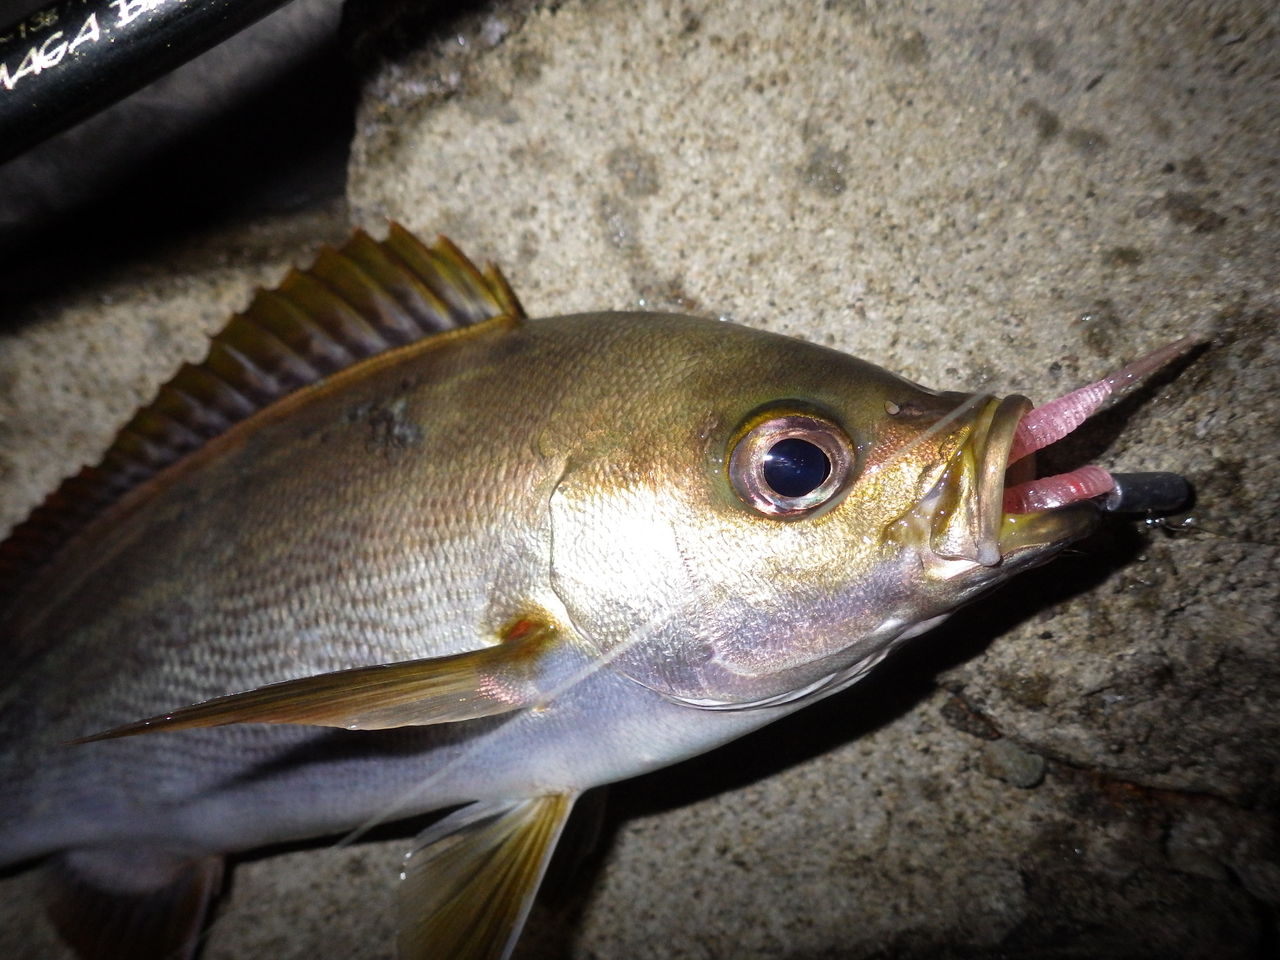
x=1005 y=196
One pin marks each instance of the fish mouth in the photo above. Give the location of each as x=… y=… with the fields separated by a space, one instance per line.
x=978 y=515
x=990 y=508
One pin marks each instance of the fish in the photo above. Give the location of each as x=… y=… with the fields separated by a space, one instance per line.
x=395 y=548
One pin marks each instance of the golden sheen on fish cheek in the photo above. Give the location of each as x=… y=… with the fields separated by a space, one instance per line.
x=672 y=574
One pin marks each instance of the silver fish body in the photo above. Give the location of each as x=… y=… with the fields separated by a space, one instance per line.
x=580 y=474
x=176 y=611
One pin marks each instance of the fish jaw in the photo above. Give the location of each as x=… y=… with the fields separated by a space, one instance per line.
x=964 y=518
x=669 y=568
x=970 y=535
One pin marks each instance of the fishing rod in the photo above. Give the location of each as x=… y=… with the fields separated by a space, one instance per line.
x=72 y=58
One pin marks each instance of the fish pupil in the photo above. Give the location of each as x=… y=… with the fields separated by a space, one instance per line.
x=794 y=467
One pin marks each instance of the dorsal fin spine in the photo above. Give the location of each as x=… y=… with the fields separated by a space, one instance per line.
x=290 y=325
x=497 y=281
x=430 y=306
x=210 y=389
x=347 y=279
x=418 y=304
x=241 y=374
x=322 y=319
x=331 y=309
x=419 y=298
x=293 y=370
x=352 y=304
x=419 y=260
x=203 y=419
x=136 y=447
x=156 y=421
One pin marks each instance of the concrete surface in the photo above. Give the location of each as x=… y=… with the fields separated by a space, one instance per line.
x=1013 y=196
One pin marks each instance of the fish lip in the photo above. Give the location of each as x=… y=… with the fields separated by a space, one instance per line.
x=1025 y=538
x=992 y=442
x=1029 y=539
x=980 y=531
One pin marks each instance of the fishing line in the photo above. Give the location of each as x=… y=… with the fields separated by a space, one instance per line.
x=970 y=403
x=401 y=805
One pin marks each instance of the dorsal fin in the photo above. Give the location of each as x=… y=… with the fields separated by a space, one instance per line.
x=353 y=303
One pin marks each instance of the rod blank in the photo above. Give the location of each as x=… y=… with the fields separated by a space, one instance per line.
x=74 y=57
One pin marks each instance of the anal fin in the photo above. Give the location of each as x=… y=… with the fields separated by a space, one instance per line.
x=140 y=903
x=470 y=881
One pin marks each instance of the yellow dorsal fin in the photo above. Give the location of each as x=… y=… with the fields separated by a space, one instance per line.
x=353 y=303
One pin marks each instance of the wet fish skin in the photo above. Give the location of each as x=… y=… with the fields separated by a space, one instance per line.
x=571 y=472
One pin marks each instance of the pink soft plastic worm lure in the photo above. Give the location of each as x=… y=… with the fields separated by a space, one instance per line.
x=1057 y=418
x=1058 y=490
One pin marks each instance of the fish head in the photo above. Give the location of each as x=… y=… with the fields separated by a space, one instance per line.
x=774 y=517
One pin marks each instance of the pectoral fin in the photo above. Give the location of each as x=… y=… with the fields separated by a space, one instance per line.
x=480 y=683
x=470 y=881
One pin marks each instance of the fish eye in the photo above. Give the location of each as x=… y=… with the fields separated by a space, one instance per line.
x=790 y=465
